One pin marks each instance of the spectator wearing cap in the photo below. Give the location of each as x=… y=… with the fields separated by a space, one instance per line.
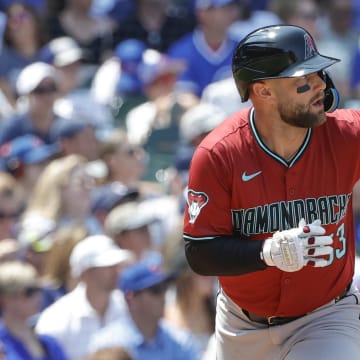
x=129 y=52
x=106 y=197
x=118 y=75
x=155 y=123
x=20 y=289
x=76 y=136
x=146 y=334
x=25 y=157
x=129 y=225
x=81 y=106
x=208 y=49
x=37 y=84
x=94 y=303
x=75 y=100
x=66 y=55
x=157 y=75
x=116 y=82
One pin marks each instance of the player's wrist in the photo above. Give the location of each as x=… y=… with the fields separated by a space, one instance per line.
x=265 y=253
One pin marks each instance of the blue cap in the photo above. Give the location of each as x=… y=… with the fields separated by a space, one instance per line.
x=142 y=275
x=68 y=128
x=26 y=149
x=205 y=4
x=130 y=50
x=130 y=54
x=106 y=197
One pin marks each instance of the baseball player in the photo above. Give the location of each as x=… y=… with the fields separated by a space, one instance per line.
x=269 y=207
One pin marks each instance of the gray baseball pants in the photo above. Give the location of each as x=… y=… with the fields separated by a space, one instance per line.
x=331 y=332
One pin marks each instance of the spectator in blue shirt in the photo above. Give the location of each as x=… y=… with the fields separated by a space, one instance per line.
x=207 y=51
x=145 y=334
x=20 y=299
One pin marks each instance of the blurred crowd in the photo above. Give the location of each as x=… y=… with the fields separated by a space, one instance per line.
x=102 y=104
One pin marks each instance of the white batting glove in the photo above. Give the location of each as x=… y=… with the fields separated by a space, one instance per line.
x=290 y=250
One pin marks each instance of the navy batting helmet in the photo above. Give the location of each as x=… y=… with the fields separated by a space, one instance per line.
x=276 y=51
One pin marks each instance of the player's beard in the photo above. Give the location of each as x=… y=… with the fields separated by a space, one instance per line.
x=299 y=115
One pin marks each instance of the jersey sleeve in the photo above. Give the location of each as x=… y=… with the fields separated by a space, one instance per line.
x=208 y=195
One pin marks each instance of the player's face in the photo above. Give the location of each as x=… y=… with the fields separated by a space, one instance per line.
x=302 y=109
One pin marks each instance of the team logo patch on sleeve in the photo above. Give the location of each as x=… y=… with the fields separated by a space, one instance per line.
x=196 y=201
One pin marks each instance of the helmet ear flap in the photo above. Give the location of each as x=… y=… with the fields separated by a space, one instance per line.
x=332 y=97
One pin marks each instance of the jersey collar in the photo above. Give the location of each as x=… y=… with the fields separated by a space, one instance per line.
x=272 y=154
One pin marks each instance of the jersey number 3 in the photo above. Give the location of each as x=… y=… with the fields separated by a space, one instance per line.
x=338 y=253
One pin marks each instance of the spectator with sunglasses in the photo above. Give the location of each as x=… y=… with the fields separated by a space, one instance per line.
x=74 y=135
x=146 y=335
x=131 y=225
x=37 y=85
x=20 y=298
x=126 y=163
x=95 y=301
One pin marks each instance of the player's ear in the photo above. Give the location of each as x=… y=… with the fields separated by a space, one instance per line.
x=261 y=90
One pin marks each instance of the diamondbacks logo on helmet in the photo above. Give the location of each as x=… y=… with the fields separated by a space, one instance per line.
x=310 y=48
x=196 y=201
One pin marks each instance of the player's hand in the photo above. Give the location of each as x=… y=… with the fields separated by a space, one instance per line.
x=290 y=250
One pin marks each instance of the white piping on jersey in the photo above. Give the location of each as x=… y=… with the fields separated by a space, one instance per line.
x=212 y=56
x=187 y=237
x=272 y=154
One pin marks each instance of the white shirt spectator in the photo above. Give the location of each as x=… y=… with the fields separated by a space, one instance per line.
x=73 y=321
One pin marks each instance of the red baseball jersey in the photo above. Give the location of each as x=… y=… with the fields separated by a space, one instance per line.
x=238 y=186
